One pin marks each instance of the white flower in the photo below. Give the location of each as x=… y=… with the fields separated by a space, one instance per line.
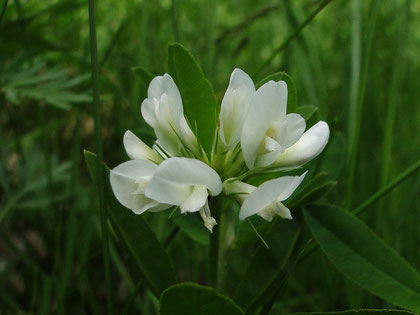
x=266 y=200
x=185 y=183
x=129 y=181
x=270 y=137
x=164 y=112
x=138 y=150
x=235 y=106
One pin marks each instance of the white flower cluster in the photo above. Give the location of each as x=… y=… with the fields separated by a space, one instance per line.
x=254 y=135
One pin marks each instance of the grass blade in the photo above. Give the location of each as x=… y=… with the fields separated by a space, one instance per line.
x=99 y=162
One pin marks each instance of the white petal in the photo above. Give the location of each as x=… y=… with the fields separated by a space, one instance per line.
x=137 y=149
x=274 y=190
x=167 y=192
x=235 y=106
x=295 y=128
x=185 y=171
x=196 y=200
x=135 y=169
x=268 y=105
x=283 y=211
x=188 y=136
x=209 y=221
x=123 y=183
x=148 y=111
x=165 y=85
x=308 y=147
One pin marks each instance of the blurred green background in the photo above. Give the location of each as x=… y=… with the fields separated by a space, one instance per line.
x=357 y=61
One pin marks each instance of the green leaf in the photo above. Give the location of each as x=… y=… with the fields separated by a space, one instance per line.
x=269 y=266
x=291 y=88
x=200 y=104
x=360 y=255
x=192 y=225
x=193 y=299
x=358 y=312
x=139 y=239
x=309 y=113
x=313 y=191
x=145 y=75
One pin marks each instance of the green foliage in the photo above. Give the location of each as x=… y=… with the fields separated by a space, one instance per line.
x=357 y=312
x=269 y=267
x=360 y=75
x=191 y=299
x=359 y=254
x=20 y=80
x=139 y=240
x=200 y=105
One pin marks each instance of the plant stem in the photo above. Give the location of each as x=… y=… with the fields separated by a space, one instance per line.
x=291 y=37
x=375 y=197
x=215 y=208
x=3 y=9
x=100 y=168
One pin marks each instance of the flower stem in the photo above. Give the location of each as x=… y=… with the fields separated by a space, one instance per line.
x=215 y=208
x=100 y=168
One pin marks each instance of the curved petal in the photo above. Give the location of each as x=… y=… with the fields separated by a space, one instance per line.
x=138 y=150
x=235 y=106
x=271 y=191
x=165 y=85
x=209 y=221
x=306 y=148
x=269 y=104
x=196 y=200
x=278 y=208
x=148 y=111
x=295 y=128
x=167 y=192
x=185 y=171
x=124 y=184
x=135 y=169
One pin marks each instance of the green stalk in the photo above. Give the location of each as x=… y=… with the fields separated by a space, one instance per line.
x=355 y=128
x=100 y=167
x=394 y=183
x=3 y=9
x=214 y=242
x=292 y=36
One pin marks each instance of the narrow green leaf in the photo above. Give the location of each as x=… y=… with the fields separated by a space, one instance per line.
x=358 y=312
x=268 y=267
x=200 y=104
x=193 y=299
x=192 y=225
x=145 y=75
x=314 y=194
x=309 y=113
x=291 y=88
x=138 y=238
x=360 y=255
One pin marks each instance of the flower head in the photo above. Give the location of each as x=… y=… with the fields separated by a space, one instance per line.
x=255 y=135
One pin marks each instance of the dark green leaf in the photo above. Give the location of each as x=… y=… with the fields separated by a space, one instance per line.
x=192 y=225
x=200 y=104
x=310 y=114
x=358 y=312
x=138 y=238
x=269 y=266
x=193 y=299
x=291 y=88
x=360 y=255
x=145 y=75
